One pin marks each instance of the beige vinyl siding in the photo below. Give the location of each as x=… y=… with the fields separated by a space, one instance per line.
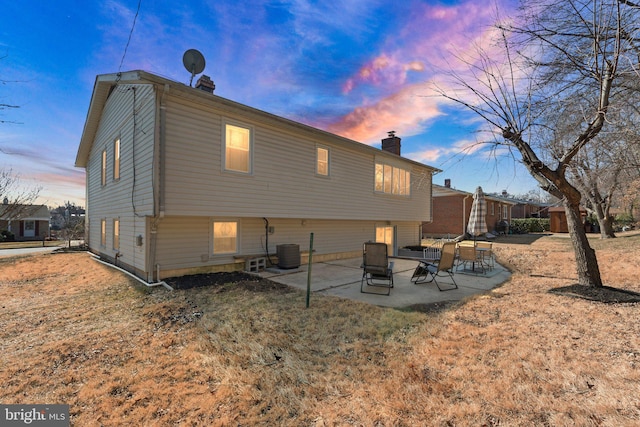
x=118 y=198
x=283 y=182
x=185 y=242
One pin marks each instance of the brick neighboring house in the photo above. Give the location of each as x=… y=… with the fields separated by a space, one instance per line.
x=32 y=223
x=525 y=208
x=451 y=210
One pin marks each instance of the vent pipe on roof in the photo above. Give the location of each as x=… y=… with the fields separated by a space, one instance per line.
x=392 y=143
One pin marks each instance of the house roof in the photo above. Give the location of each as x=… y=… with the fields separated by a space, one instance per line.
x=562 y=210
x=441 y=191
x=29 y=212
x=105 y=83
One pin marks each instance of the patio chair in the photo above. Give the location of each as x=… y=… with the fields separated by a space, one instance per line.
x=468 y=254
x=425 y=269
x=486 y=251
x=377 y=270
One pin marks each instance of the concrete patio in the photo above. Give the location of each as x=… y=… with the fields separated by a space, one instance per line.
x=341 y=278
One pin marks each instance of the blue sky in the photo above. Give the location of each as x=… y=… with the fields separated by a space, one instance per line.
x=357 y=68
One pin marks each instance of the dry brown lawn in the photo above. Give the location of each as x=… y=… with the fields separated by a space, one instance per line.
x=76 y=332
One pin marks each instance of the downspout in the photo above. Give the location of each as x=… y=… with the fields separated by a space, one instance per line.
x=465 y=217
x=159 y=187
x=87 y=235
x=110 y=265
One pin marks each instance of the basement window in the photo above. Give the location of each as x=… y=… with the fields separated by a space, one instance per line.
x=116 y=234
x=103 y=232
x=225 y=237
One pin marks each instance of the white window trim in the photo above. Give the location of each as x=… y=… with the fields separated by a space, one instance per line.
x=328 y=174
x=211 y=237
x=114 y=222
x=392 y=166
x=103 y=232
x=117 y=165
x=103 y=167
x=223 y=146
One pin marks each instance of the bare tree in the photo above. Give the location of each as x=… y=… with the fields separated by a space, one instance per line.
x=556 y=52
x=17 y=201
x=4 y=105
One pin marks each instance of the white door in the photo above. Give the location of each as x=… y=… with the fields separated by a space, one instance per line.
x=387 y=234
x=29 y=229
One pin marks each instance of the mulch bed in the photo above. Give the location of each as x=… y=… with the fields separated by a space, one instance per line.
x=226 y=280
x=604 y=294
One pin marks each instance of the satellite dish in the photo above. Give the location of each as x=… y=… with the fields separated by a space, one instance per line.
x=194 y=62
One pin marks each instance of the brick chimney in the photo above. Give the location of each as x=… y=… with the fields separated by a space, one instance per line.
x=392 y=143
x=447 y=183
x=205 y=83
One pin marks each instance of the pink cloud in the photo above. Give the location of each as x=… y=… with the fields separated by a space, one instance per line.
x=381 y=70
x=427 y=156
x=404 y=112
x=435 y=154
x=432 y=36
x=436 y=41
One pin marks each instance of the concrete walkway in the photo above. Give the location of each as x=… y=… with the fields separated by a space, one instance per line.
x=341 y=278
x=26 y=251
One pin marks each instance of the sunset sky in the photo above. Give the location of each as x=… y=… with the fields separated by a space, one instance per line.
x=356 y=68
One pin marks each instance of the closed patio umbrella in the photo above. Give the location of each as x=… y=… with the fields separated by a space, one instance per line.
x=478 y=218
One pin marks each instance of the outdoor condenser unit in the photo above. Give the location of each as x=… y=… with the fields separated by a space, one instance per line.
x=288 y=255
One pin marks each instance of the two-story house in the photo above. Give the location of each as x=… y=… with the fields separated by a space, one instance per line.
x=181 y=181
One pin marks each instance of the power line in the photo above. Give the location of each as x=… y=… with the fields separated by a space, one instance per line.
x=130 y=34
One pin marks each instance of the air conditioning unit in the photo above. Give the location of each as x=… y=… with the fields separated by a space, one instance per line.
x=288 y=255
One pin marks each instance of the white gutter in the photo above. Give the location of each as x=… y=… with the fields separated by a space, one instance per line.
x=149 y=285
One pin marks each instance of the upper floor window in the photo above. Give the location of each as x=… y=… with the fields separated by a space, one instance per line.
x=237 y=148
x=104 y=167
x=116 y=159
x=392 y=180
x=322 y=161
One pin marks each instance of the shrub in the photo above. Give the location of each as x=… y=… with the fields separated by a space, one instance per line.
x=529 y=225
x=622 y=221
x=7 y=236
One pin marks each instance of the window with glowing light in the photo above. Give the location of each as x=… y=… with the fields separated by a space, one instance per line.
x=237 y=148
x=225 y=237
x=392 y=180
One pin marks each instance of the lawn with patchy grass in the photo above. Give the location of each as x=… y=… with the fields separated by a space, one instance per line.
x=249 y=353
